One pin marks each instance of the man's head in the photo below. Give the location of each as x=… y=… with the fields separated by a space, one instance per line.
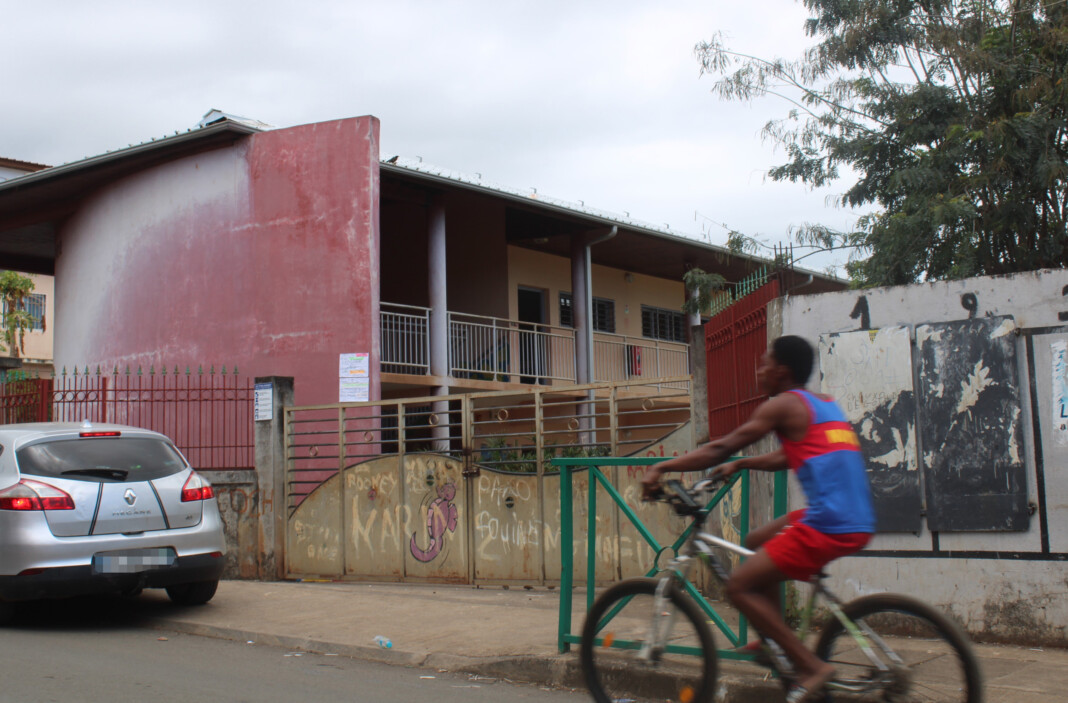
x=787 y=364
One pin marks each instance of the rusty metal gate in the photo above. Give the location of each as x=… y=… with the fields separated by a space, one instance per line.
x=734 y=341
x=458 y=488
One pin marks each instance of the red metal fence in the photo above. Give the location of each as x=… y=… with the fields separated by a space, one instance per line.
x=207 y=414
x=734 y=341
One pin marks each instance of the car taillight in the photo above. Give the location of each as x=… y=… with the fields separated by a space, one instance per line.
x=196 y=488
x=34 y=495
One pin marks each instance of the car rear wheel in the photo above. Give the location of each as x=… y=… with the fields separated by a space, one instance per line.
x=192 y=593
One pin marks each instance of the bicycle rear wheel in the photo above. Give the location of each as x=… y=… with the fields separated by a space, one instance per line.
x=617 y=661
x=936 y=661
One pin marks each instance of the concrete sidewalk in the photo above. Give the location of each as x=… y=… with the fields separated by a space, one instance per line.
x=491 y=631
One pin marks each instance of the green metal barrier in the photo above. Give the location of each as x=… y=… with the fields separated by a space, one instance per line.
x=565 y=636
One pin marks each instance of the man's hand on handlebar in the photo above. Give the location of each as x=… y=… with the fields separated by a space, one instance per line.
x=725 y=471
x=651 y=488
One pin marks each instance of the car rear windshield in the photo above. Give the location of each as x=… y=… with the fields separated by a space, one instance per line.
x=111 y=459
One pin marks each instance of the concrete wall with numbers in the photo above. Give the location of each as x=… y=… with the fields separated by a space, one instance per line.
x=958 y=392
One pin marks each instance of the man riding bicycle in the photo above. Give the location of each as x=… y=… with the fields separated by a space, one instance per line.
x=820 y=445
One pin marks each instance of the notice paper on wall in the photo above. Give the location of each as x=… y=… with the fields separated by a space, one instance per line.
x=1059 y=363
x=263 y=401
x=354 y=365
x=354 y=380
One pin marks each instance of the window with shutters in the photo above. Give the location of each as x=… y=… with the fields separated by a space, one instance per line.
x=604 y=313
x=658 y=323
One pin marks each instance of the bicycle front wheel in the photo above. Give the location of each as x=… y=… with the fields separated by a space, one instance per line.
x=928 y=657
x=631 y=648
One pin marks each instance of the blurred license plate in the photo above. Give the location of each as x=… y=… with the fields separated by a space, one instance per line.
x=131 y=561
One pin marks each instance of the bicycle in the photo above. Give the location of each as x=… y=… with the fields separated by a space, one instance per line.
x=885 y=647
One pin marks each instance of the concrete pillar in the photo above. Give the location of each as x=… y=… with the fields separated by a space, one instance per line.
x=439 y=316
x=698 y=385
x=436 y=286
x=270 y=460
x=581 y=310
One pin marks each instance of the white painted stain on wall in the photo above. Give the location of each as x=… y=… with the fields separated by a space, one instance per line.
x=902 y=452
x=970 y=388
x=1005 y=328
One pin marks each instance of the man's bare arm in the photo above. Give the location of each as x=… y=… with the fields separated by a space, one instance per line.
x=772 y=461
x=765 y=419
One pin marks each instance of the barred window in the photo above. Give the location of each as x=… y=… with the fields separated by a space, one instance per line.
x=658 y=323
x=604 y=313
x=34 y=303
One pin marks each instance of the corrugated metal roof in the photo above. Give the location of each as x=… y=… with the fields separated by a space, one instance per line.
x=20 y=165
x=177 y=138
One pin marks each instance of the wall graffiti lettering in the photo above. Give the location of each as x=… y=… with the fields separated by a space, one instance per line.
x=970 y=302
x=499 y=536
x=387 y=525
x=861 y=310
x=441 y=517
x=1063 y=316
x=320 y=542
x=497 y=491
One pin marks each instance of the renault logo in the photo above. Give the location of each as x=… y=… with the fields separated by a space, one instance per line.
x=129 y=496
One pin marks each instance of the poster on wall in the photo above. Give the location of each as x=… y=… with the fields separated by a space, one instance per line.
x=354 y=365
x=354 y=379
x=263 y=403
x=354 y=390
x=869 y=373
x=1059 y=354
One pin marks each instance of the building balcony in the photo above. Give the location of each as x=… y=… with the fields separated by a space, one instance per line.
x=490 y=353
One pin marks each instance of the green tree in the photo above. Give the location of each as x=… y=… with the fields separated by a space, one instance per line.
x=952 y=115
x=13 y=290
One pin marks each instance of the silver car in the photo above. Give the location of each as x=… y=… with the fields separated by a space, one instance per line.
x=103 y=509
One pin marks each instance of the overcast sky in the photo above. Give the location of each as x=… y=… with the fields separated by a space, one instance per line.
x=594 y=101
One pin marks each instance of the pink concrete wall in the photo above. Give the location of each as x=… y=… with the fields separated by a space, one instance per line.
x=263 y=254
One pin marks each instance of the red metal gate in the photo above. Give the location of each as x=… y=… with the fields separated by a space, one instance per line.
x=208 y=414
x=734 y=341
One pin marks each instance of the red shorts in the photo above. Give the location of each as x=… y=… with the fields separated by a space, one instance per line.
x=800 y=551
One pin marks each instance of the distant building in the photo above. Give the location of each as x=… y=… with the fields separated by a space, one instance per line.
x=37 y=352
x=279 y=250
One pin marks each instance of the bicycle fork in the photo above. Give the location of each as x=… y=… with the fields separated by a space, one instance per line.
x=660 y=626
x=864 y=636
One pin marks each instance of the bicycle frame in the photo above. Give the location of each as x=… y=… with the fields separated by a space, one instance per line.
x=701 y=543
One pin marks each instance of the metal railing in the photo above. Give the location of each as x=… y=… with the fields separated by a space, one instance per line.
x=496 y=349
x=405 y=339
x=618 y=358
x=568 y=466
x=493 y=348
x=208 y=413
x=509 y=431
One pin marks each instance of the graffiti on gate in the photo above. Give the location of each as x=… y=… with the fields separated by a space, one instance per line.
x=508 y=516
x=441 y=517
x=377 y=515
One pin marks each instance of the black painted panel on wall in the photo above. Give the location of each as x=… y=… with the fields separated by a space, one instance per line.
x=971 y=426
x=895 y=489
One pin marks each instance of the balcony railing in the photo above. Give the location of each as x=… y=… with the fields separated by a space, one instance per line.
x=496 y=349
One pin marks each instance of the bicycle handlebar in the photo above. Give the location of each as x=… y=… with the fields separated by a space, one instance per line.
x=684 y=500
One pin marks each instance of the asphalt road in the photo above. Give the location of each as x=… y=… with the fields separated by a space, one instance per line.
x=93 y=650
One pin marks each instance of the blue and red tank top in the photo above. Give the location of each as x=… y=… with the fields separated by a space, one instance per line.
x=831 y=470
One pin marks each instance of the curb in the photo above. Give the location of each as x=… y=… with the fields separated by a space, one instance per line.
x=559 y=671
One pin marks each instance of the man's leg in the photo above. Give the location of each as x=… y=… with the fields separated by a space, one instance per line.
x=762 y=534
x=747 y=589
x=755 y=539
